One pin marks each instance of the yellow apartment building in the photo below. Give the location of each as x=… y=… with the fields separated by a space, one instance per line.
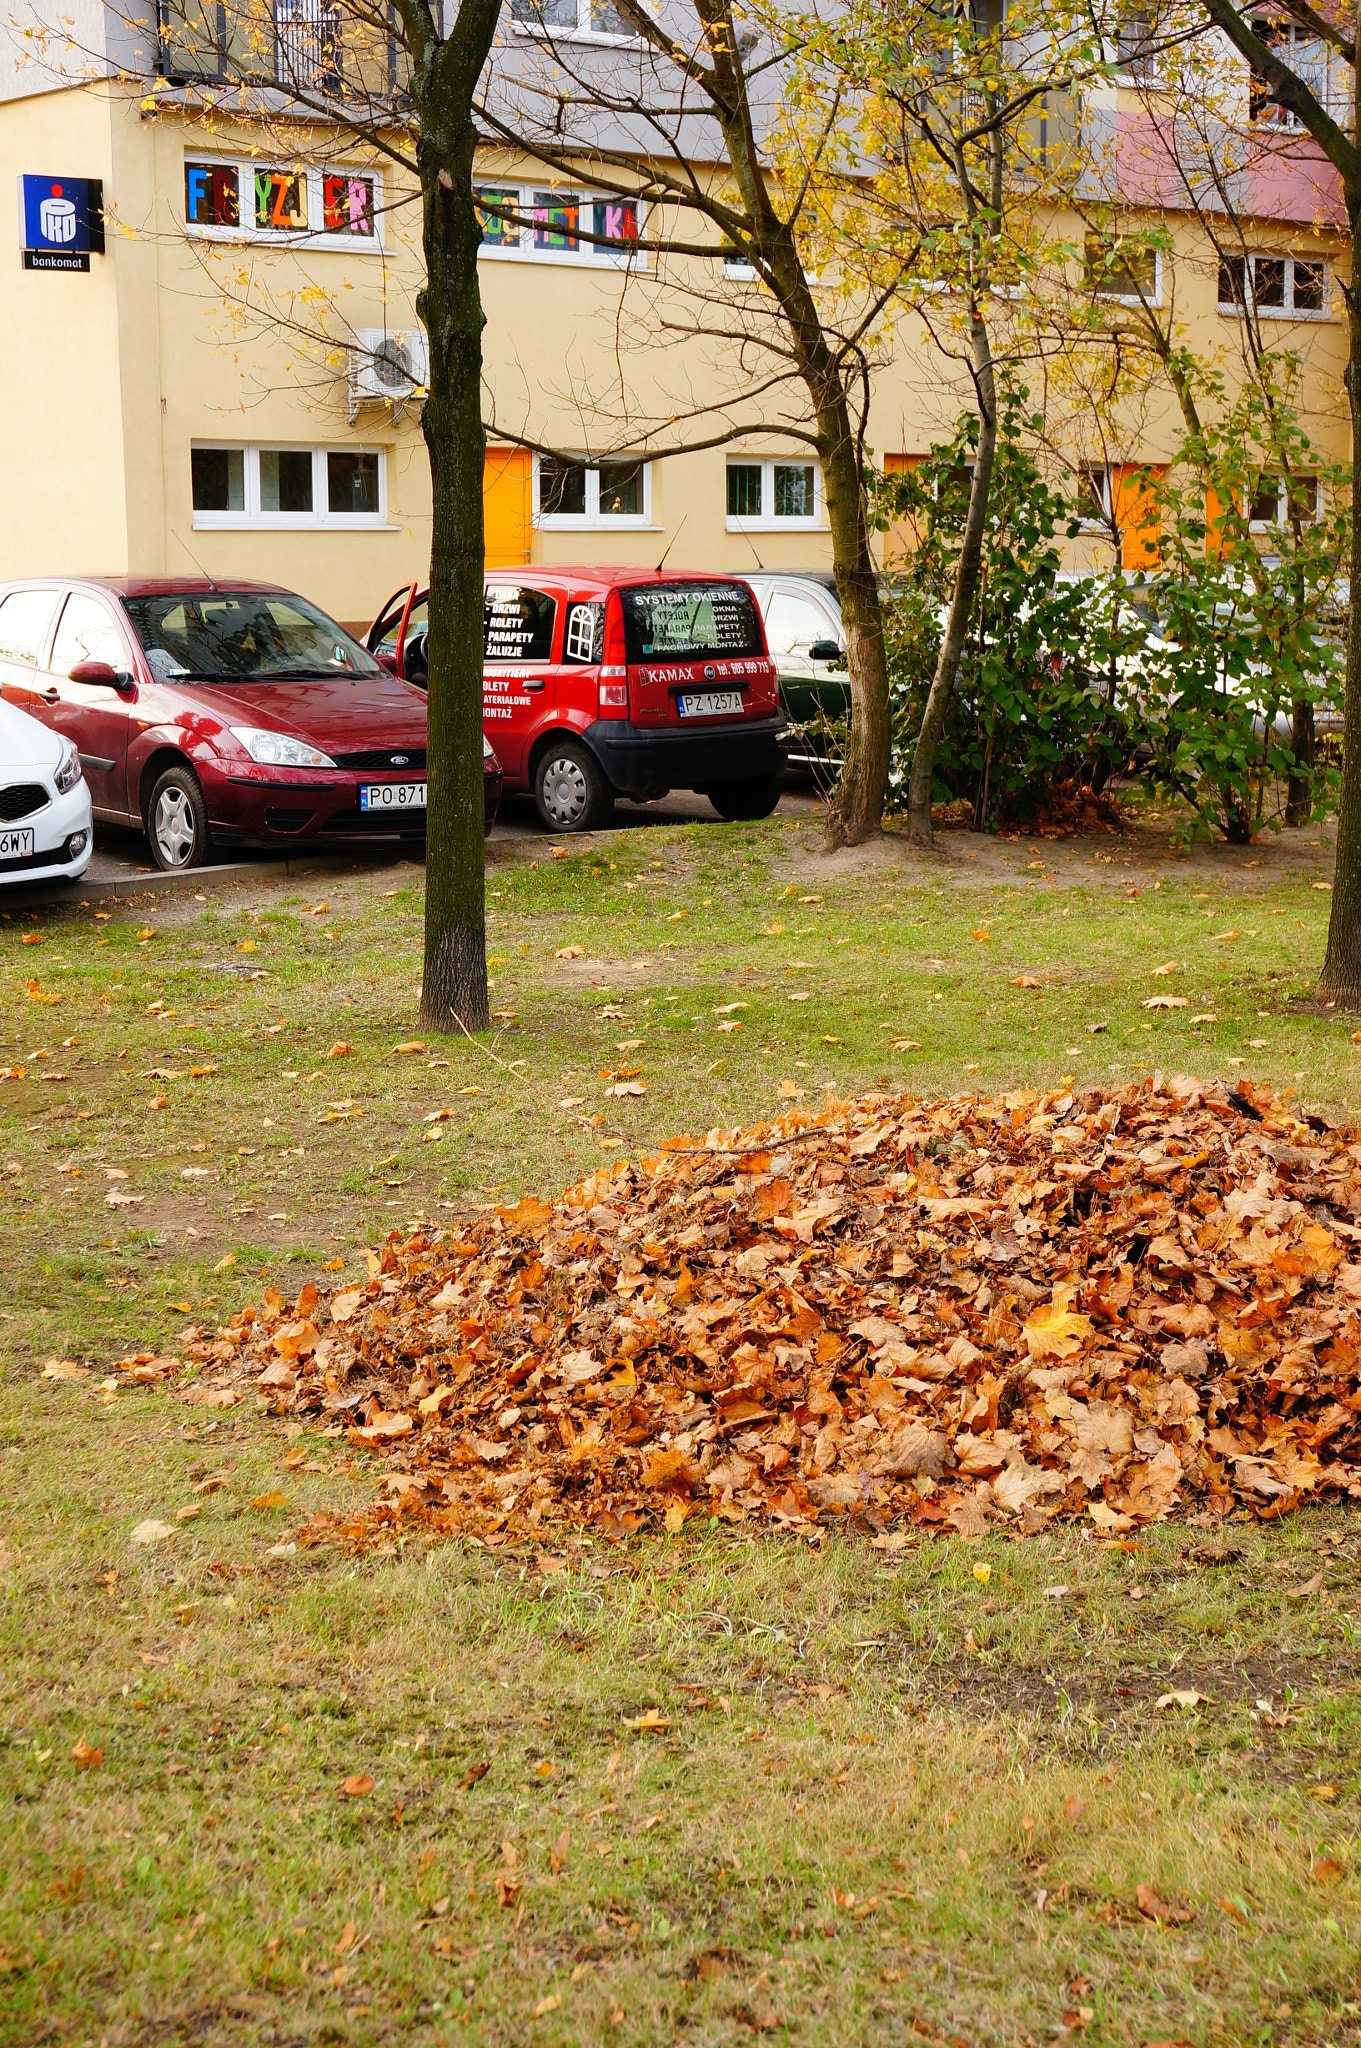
x=220 y=370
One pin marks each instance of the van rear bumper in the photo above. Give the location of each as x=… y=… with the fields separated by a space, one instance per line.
x=640 y=760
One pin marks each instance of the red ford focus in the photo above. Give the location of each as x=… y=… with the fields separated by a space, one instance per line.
x=219 y=714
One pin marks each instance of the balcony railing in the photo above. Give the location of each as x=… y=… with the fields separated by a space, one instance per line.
x=312 y=48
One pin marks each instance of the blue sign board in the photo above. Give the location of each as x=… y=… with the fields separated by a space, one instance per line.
x=62 y=221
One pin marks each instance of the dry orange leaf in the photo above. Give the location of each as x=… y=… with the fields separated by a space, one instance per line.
x=85 y=1756
x=358 y=1786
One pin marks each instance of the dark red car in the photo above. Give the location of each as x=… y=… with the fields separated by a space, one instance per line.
x=219 y=714
x=604 y=682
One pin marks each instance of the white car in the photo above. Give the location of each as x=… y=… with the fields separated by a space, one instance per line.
x=46 y=829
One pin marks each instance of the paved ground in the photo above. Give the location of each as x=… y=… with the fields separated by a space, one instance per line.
x=122 y=865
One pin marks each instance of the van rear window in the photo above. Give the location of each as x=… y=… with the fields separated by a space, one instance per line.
x=690 y=621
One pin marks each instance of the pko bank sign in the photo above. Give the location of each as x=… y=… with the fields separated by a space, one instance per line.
x=62 y=221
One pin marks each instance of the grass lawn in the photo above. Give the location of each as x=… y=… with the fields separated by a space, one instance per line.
x=708 y=1788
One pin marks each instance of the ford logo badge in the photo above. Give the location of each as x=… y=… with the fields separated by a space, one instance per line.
x=709 y=672
x=399 y=760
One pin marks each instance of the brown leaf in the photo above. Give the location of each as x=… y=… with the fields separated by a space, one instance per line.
x=1155 y=1908
x=358 y=1786
x=85 y=1756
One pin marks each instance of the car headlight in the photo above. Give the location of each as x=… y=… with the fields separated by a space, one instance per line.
x=68 y=769
x=277 y=750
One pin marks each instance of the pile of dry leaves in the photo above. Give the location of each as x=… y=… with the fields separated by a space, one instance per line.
x=1111 y=1305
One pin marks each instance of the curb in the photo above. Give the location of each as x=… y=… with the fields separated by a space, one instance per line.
x=156 y=883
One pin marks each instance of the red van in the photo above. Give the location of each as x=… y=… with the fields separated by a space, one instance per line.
x=600 y=683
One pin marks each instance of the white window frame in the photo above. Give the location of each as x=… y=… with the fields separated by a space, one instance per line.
x=1137 y=66
x=1289 y=311
x=1282 y=518
x=252 y=519
x=1155 y=297
x=1093 y=522
x=1289 y=39
x=309 y=237
x=582 y=32
x=587 y=255
x=593 y=519
x=768 y=523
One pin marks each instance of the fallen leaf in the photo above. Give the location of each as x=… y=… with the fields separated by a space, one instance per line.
x=1166 y=1002
x=1073 y=1809
x=1307 y=1590
x=151 y=1531
x=1186 y=1698
x=1156 y=1908
x=649 y=1722
x=339 y=1050
x=84 y=1756
x=570 y=953
x=358 y=1787
x=1026 y=981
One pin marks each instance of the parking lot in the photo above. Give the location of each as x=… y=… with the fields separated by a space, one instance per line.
x=121 y=864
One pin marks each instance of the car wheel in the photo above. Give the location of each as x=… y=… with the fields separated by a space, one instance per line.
x=177 y=821
x=754 y=797
x=570 y=790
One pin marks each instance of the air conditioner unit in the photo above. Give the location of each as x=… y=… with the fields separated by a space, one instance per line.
x=387 y=367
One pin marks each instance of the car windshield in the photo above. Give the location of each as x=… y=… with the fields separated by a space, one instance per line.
x=224 y=636
x=690 y=622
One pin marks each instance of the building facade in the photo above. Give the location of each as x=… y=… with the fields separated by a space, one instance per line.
x=219 y=370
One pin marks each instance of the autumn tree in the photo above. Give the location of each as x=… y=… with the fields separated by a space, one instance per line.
x=963 y=146
x=690 y=122
x=1320 y=94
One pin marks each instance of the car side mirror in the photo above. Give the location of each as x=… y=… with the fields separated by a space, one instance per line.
x=99 y=672
x=824 y=650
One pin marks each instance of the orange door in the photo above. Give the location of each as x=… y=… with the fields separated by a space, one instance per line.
x=507 y=483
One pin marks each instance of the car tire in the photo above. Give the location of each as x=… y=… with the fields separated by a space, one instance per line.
x=570 y=790
x=177 y=821
x=754 y=797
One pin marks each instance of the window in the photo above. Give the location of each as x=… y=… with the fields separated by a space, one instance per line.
x=773 y=493
x=1277 y=503
x=1301 y=52
x=1278 y=287
x=689 y=621
x=795 y=625
x=219 y=479
x=1116 y=267
x=1136 y=48
x=603 y=494
x=225 y=635
x=737 y=266
x=557 y=227
x=517 y=624
x=1094 y=493
x=585 y=635
x=86 y=633
x=326 y=207
x=594 y=19
x=25 y=616
x=288 y=487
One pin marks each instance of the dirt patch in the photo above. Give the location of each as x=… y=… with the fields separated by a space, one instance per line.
x=1139 y=856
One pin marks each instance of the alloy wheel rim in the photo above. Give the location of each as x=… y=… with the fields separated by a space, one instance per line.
x=564 y=791
x=175 y=827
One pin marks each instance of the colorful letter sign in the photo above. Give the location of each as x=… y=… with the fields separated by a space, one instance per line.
x=62 y=220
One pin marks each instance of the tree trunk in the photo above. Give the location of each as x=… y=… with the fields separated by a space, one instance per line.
x=454 y=991
x=1299 y=795
x=967 y=572
x=1340 y=981
x=857 y=807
